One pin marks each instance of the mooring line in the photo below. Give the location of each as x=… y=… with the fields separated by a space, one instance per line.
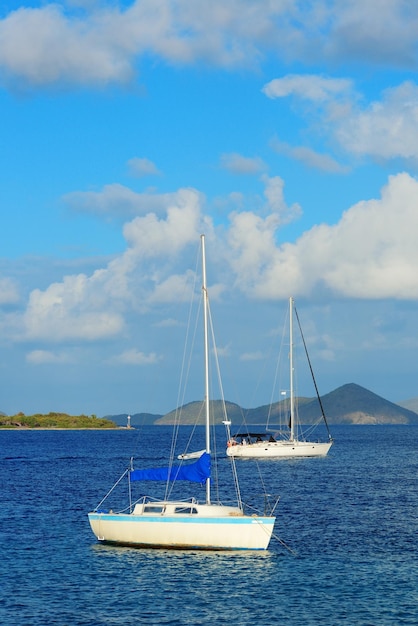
x=284 y=544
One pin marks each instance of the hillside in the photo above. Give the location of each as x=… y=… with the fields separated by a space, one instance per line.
x=349 y=404
x=54 y=420
x=352 y=404
x=411 y=404
x=189 y=412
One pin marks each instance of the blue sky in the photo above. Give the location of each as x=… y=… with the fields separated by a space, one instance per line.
x=286 y=131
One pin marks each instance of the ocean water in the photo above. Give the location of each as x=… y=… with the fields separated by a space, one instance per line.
x=344 y=552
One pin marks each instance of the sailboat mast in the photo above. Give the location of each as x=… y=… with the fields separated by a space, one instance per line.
x=206 y=357
x=292 y=399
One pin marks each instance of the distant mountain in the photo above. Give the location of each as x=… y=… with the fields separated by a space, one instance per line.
x=411 y=404
x=190 y=410
x=352 y=404
x=349 y=404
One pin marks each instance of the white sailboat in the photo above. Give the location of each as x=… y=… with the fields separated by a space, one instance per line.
x=185 y=524
x=275 y=445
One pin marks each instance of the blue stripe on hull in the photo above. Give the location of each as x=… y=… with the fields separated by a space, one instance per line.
x=184 y=520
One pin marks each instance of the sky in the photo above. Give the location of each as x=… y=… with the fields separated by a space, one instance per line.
x=286 y=131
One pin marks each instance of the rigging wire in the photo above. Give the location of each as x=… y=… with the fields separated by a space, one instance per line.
x=312 y=374
x=224 y=411
x=184 y=372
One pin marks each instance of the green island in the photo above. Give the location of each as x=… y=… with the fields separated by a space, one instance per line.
x=54 y=420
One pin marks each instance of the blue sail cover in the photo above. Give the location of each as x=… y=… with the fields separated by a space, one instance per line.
x=196 y=472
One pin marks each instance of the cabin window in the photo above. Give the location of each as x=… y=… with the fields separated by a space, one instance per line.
x=153 y=509
x=185 y=510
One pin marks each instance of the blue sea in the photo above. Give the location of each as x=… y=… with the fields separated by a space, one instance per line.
x=345 y=550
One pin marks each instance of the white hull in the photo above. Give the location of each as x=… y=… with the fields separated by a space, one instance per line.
x=209 y=527
x=278 y=449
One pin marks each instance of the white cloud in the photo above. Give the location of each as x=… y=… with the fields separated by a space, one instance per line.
x=308 y=87
x=102 y=44
x=139 y=167
x=70 y=310
x=41 y=357
x=385 y=129
x=251 y=241
x=151 y=236
x=309 y=157
x=223 y=351
x=238 y=164
x=167 y=323
x=274 y=193
x=251 y=238
x=135 y=357
x=383 y=33
x=371 y=253
x=92 y=308
x=9 y=293
x=116 y=200
x=171 y=288
x=44 y=46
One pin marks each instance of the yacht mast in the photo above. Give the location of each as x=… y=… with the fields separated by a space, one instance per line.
x=206 y=357
x=292 y=399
